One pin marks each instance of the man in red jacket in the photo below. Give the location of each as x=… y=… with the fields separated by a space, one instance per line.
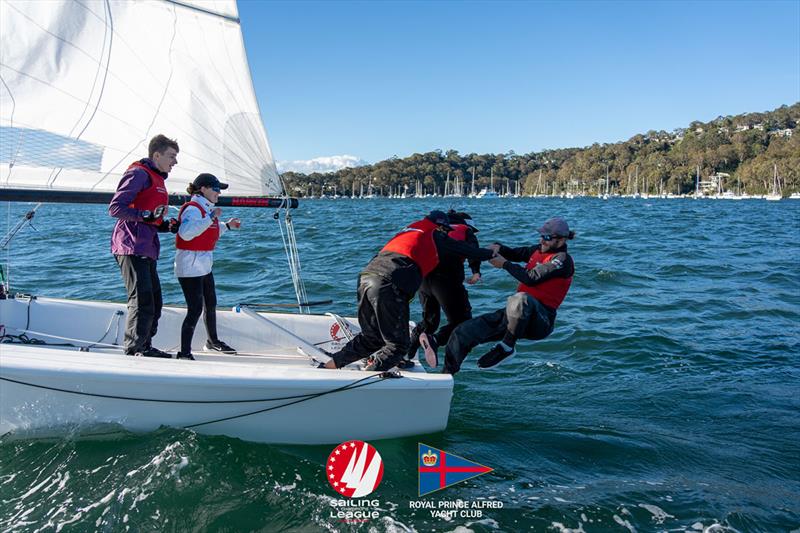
x=140 y=205
x=530 y=313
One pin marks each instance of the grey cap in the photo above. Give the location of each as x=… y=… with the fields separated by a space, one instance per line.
x=555 y=226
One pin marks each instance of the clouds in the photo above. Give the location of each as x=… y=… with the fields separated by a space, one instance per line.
x=321 y=164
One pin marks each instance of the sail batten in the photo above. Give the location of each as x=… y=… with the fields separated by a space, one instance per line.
x=85 y=85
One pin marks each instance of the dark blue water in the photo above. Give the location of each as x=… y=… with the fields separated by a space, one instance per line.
x=667 y=399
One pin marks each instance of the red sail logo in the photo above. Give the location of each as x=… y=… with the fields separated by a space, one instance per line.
x=354 y=469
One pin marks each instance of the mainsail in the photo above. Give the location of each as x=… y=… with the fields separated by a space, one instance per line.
x=84 y=85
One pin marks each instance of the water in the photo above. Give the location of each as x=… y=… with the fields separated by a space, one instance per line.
x=665 y=400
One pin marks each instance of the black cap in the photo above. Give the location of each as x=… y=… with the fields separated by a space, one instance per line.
x=208 y=180
x=440 y=218
x=460 y=217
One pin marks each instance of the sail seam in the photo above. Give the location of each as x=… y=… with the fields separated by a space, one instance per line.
x=230 y=18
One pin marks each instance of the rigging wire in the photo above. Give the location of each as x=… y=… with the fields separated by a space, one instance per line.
x=5 y=244
x=290 y=247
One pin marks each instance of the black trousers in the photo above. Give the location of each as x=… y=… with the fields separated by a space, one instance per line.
x=524 y=316
x=437 y=295
x=144 y=300
x=383 y=318
x=201 y=298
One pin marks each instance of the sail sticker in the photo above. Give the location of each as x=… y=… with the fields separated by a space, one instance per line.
x=335 y=330
x=354 y=469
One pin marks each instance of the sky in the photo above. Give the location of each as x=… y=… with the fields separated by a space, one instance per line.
x=341 y=82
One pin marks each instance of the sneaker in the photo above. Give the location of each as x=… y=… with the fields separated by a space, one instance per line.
x=429 y=344
x=218 y=346
x=495 y=356
x=155 y=352
x=188 y=356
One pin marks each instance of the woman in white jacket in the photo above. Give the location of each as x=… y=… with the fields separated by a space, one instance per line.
x=194 y=257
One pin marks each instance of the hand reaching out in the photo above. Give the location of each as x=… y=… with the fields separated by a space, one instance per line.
x=475 y=278
x=498 y=261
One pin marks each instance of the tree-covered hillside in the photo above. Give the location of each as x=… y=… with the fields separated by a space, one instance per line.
x=740 y=151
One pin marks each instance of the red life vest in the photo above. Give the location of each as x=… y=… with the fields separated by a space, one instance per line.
x=551 y=292
x=459 y=232
x=416 y=243
x=206 y=241
x=154 y=196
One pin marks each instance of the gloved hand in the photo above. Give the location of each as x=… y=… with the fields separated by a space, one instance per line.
x=170 y=225
x=150 y=216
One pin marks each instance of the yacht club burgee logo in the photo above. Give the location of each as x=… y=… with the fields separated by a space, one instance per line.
x=354 y=469
x=439 y=469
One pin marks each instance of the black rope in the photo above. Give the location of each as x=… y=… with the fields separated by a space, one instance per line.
x=302 y=398
x=24 y=339
x=354 y=385
x=382 y=376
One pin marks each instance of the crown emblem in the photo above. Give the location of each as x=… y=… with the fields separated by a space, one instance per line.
x=429 y=459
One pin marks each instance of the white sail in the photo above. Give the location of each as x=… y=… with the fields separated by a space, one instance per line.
x=86 y=84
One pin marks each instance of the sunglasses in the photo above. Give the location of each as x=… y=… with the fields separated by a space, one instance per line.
x=548 y=237
x=216 y=189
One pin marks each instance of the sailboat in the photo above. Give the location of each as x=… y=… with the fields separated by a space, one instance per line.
x=488 y=192
x=85 y=86
x=776 y=194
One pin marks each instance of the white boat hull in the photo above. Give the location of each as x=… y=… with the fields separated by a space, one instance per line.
x=276 y=396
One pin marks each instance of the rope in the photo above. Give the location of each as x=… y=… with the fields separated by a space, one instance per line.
x=363 y=382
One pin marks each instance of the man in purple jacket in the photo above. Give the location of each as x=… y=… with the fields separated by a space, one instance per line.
x=139 y=205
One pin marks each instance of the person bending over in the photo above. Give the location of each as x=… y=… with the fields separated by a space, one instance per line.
x=388 y=284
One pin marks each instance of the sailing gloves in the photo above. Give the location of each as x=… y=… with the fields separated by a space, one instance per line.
x=170 y=225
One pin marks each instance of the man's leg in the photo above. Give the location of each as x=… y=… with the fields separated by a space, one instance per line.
x=454 y=300
x=157 y=300
x=391 y=307
x=541 y=321
x=469 y=334
x=522 y=311
x=430 y=316
x=520 y=307
x=369 y=339
x=136 y=275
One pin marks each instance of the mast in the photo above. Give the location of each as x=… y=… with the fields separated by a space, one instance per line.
x=697 y=183
x=472 y=193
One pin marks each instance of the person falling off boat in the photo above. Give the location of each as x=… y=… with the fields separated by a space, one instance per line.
x=443 y=290
x=139 y=205
x=388 y=284
x=530 y=313
x=197 y=237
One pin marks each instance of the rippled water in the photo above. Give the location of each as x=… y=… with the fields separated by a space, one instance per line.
x=667 y=399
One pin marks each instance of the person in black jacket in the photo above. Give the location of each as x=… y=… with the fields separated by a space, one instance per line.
x=387 y=285
x=443 y=290
x=530 y=313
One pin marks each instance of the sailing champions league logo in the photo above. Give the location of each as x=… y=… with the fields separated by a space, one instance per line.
x=354 y=469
